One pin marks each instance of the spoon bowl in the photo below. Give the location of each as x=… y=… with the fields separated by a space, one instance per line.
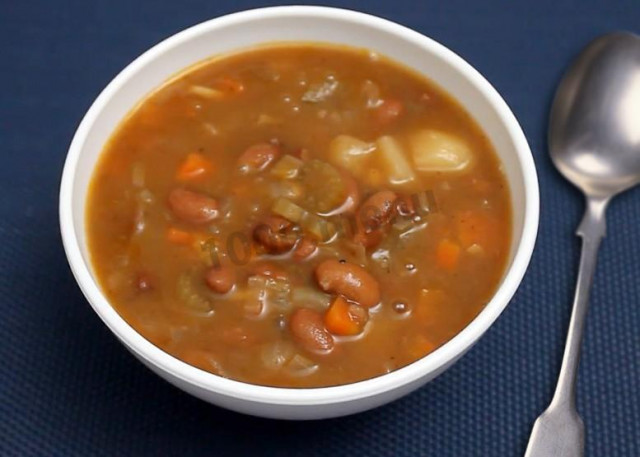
x=594 y=133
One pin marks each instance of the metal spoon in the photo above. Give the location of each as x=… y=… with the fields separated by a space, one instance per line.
x=594 y=140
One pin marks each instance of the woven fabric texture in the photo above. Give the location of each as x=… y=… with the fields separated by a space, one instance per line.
x=68 y=388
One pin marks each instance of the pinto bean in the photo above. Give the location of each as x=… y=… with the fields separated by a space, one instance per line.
x=192 y=207
x=349 y=280
x=306 y=247
x=377 y=210
x=275 y=234
x=257 y=157
x=220 y=279
x=270 y=270
x=308 y=330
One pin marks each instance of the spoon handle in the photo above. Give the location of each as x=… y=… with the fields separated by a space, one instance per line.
x=559 y=431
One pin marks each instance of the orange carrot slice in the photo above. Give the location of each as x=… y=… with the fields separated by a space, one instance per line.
x=194 y=166
x=178 y=236
x=448 y=254
x=338 y=320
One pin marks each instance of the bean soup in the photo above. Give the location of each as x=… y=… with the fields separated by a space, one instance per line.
x=299 y=215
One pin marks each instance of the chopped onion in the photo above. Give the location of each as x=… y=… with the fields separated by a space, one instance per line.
x=319 y=227
x=425 y=203
x=216 y=368
x=266 y=72
x=253 y=297
x=288 y=210
x=310 y=297
x=475 y=249
x=206 y=92
x=137 y=175
x=265 y=119
x=402 y=224
x=253 y=307
x=290 y=190
x=209 y=127
x=275 y=355
x=287 y=167
x=371 y=93
x=278 y=293
x=316 y=225
x=382 y=258
x=145 y=196
x=190 y=296
x=301 y=366
x=357 y=251
x=413 y=230
x=274 y=292
x=257 y=282
x=139 y=220
x=320 y=92
x=324 y=185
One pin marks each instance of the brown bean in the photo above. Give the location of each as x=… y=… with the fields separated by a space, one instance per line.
x=270 y=270
x=275 y=234
x=220 y=279
x=257 y=157
x=192 y=207
x=377 y=210
x=305 y=248
x=308 y=329
x=349 y=280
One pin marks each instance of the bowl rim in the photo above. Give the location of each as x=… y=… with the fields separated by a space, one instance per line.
x=433 y=362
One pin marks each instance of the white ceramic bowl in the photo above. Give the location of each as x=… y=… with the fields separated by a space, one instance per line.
x=298 y=23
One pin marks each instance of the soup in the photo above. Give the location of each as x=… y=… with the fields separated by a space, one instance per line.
x=298 y=215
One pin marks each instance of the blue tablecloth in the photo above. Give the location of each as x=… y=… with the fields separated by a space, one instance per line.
x=68 y=388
